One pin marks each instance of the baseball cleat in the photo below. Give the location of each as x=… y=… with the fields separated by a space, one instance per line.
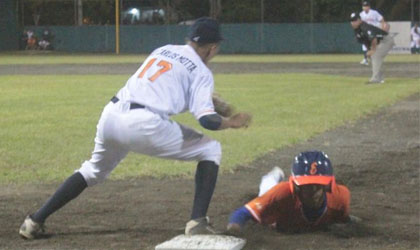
x=354 y=219
x=277 y=173
x=364 y=62
x=375 y=82
x=31 y=229
x=200 y=226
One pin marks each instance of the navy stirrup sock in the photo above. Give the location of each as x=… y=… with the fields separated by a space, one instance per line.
x=69 y=190
x=205 y=182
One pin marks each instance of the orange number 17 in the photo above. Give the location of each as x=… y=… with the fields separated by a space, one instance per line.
x=165 y=67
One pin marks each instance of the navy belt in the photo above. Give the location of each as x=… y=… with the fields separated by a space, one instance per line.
x=115 y=99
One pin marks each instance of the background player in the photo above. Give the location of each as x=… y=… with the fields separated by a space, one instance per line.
x=310 y=200
x=371 y=17
x=378 y=42
x=415 y=39
x=173 y=79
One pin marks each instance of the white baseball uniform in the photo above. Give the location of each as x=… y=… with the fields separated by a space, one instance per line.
x=416 y=37
x=373 y=18
x=172 y=80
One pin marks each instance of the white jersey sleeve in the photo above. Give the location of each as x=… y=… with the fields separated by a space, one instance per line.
x=200 y=102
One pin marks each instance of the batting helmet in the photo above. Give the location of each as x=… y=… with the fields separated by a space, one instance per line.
x=312 y=167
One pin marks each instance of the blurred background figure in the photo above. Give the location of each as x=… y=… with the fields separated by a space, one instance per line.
x=374 y=18
x=415 y=39
x=46 y=41
x=31 y=40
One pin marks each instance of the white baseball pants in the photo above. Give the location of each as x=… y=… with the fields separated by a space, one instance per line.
x=121 y=130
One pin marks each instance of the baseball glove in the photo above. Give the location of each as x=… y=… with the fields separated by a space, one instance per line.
x=221 y=106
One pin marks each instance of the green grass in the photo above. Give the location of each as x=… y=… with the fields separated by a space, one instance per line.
x=53 y=58
x=48 y=122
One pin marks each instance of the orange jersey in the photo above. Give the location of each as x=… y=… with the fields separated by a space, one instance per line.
x=280 y=207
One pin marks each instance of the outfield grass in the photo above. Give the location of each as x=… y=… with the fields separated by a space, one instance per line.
x=48 y=122
x=53 y=58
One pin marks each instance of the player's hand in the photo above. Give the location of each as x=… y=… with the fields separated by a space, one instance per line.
x=240 y=120
x=386 y=27
x=233 y=229
x=370 y=53
x=354 y=219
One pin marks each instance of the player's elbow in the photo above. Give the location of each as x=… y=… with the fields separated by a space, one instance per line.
x=211 y=122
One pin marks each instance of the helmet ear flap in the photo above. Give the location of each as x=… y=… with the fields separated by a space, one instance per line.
x=328 y=188
x=296 y=188
x=292 y=185
x=332 y=185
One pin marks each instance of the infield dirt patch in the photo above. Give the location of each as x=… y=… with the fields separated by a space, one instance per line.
x=410 y=70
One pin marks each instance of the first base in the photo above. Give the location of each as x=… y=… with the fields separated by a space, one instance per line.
x=202 y=242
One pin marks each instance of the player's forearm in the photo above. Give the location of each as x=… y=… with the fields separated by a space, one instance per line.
x=215 y=122
x=218 y=122
x=385 y=26
x=211 y=122
x=240 y=216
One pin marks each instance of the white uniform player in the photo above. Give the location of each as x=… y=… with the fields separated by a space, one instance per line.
x=374 y=18
x=172 y=80
x=415 y=39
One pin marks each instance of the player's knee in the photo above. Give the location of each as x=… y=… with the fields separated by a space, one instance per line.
x=213 y=152
x=92 y=174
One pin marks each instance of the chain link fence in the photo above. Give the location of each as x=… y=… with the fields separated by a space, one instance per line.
x=268 y=26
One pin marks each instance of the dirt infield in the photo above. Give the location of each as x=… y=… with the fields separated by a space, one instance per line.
x=376 y=157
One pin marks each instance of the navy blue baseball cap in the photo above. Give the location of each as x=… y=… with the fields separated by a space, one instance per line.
x=312 y=167
x=365 y=3
x=205 y=30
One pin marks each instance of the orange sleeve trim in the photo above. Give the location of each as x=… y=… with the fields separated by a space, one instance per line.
x=206 y=112
x=253 y=213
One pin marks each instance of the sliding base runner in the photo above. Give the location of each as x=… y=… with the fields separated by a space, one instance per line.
x=202 y=242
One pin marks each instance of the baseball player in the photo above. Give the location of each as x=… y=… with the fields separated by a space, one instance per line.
x=310 y=200
x=415 y=39
x=378 y=42
x=371 y=17
x=172 y=80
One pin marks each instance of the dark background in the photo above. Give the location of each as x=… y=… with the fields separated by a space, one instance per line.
x=101 y=12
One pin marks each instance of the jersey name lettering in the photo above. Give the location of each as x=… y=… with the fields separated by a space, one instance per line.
x=189 y=65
